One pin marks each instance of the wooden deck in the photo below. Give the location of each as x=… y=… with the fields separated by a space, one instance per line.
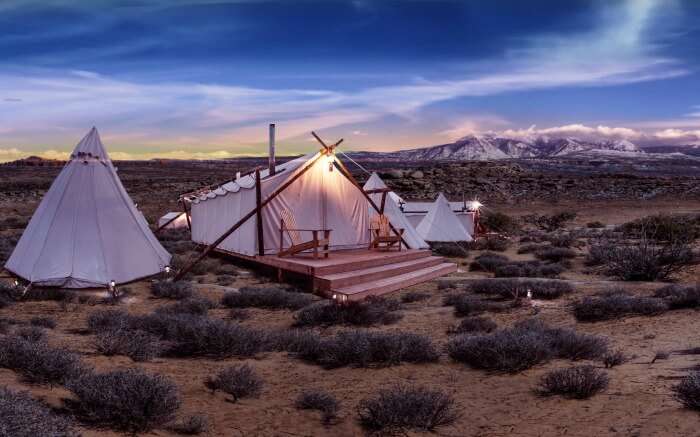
x=356 y=274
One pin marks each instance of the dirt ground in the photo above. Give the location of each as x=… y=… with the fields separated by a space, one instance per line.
x=638 y=401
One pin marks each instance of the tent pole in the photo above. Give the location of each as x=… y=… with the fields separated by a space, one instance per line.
x=245 y=218
x=258 y=208
x=344 y=170
x=187 y=214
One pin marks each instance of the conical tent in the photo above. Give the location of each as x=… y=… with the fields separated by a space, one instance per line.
x=87 y=231
x=441 y=224
x=393 y=212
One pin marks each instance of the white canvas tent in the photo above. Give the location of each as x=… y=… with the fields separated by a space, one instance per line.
x=393 y=212
x=320 y=198
x=86 y=231
x=173 y=220
x=441 y=224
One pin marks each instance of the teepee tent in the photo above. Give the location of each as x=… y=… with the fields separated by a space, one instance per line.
x=441 y=224
x=86 y=231
x=310 y=188
x=393 y=212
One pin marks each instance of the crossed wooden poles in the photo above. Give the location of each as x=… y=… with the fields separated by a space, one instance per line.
x=260 y=203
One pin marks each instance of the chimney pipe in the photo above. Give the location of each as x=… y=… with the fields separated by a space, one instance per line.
x=271 y=159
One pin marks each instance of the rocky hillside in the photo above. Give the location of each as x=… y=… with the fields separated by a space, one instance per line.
x=486 y=148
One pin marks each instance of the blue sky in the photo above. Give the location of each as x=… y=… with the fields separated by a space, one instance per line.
x=203 y=78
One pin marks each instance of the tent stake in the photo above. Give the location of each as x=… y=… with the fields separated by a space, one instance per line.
x=245 y=218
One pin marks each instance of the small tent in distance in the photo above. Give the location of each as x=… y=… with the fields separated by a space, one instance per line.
x=86 y=231
x=441 y=224
x=393 y=212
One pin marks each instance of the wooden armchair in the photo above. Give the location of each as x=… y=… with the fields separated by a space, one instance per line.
x=289 y=225
x=381 y=234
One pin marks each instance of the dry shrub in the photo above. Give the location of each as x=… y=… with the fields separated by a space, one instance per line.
x=207 y=265
x=640 y=260
x=107 y=319
x=39 y=363
x=687 y=392
x=665 y=227
x=31 y=333
x=613 y=359
x=227 y=269
x=319 y=400
x=466 y=304
x=266 y=297
x=50 y=294
x=172 y=289
x=402 y=408
x=550 y=223
x=474 y=324
x=532 y=247
x=135 y=344
x=43 y=322
x=518 y=288
x=414 y=296
x=368 y=312
x=595 y=225
x=499 y=222
x=239 y=381
x=488 y=262
x=616 y=304
x=523 y=346
x=446 y=285
x=365 y=349
x=192 y=425
x=680 y=296
x=225 y=280
x=578 y=382
x=492 y=243
x=24 y=416
x=555 y=254
x=528 y=269
x=128 y=400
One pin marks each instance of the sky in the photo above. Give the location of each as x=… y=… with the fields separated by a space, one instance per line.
x=204 y=78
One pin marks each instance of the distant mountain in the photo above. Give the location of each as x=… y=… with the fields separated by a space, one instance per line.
x=487 y=147
x=35 y=161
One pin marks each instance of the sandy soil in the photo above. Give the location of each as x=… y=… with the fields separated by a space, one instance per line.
x=638 y=401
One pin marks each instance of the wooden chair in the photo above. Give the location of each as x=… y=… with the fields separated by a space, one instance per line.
x=381 y=234
x=289 y=225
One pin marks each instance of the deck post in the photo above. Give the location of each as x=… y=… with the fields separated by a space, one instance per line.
x=244 y=219
x=258 y=214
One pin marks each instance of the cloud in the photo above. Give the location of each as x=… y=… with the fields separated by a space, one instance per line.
x=141 y=117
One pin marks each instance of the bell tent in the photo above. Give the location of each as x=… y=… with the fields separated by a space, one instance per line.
x=441 y=224
x=86 y=231
x=393 y=212
x=310 y=191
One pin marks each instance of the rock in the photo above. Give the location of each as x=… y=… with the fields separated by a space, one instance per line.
x=417 y=174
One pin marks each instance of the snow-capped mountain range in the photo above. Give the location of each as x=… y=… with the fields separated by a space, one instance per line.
x=493 y=147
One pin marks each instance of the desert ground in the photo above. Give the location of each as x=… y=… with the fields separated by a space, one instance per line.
x=638 y=401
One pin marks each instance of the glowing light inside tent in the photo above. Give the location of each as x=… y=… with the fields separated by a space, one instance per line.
x=474 y=205
x=330 y=159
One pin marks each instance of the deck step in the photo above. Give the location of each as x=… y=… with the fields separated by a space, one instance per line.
x=345 y=279
x=387 y=285
x=378 y=259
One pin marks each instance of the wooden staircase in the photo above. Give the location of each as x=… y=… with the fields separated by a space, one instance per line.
x=393 y=271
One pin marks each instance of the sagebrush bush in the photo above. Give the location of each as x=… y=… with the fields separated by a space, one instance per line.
x=640 y=260
x=595 y=225
x=227 y=269
x=401 y=408
x=680 y=296
x=365 y=349
x=492 y=243
x=466 y=304
x=135 y=344
x=192 y=425
x=7 y=294
x=31 y=333
x=172 y=289
x=518 y=288
x=266 y=297
x=615 y=305
x=193 y=305
x=578 y=382
x=526 y=344
x=39 y=363
x=555 y=254
x=452 y=250
x=43 y=322
x=614 y=358
x=474 y=324
x=23 y=416
x=50 y=294
x=687 y=392
x=319 y=400
x=107 y=319
x=368 y=312
x=414 y=296
x=665 y=227
x=563 y=240
x=488 y=262
x=528 y=269
x=499 y=222
x=128 y=400
x=532 y=247
x=239 y=381
x=550 y=223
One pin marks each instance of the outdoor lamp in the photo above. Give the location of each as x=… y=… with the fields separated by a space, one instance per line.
x=167 y=269
x=112 y=285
